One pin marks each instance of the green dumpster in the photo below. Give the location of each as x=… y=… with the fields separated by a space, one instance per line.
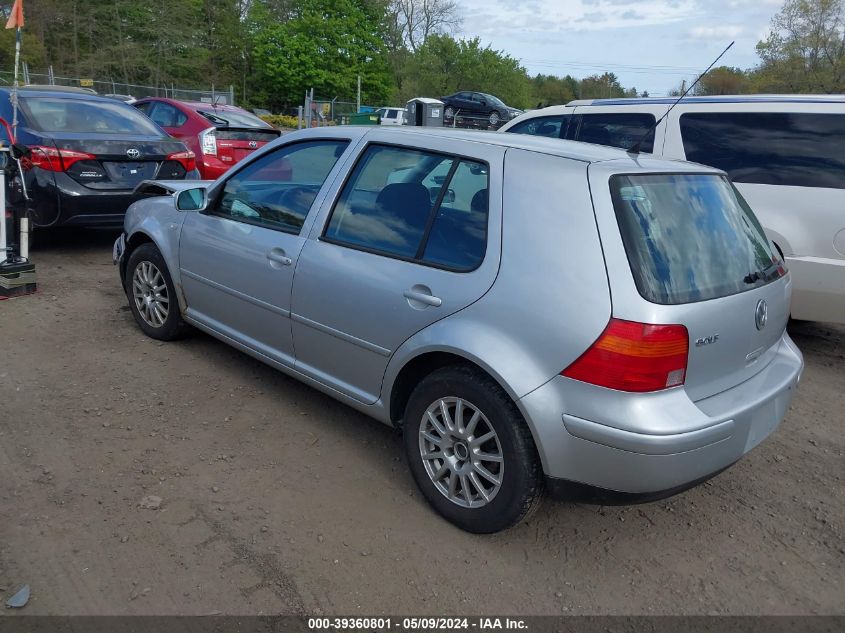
x=363 y=118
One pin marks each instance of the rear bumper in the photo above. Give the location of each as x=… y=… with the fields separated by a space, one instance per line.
x=818 y=289
x=211 y=168
x=649 y=443
x=74 y=204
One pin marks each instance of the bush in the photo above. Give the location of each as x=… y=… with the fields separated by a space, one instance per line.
x=280 y=121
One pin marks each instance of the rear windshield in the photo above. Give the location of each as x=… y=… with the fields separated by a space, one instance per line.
x=690 y=237
x=59 y=114
x=231 y=118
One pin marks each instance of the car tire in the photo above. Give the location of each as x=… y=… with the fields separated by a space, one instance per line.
x=152 y=295
x=495 y=118
x=449 y=112
x=456 y=495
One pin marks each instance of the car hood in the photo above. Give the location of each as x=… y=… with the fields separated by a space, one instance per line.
x=169 y=187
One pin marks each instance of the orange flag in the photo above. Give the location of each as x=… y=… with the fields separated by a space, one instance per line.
x=16 y=16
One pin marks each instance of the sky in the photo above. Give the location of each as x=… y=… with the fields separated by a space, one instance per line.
x=650 y=44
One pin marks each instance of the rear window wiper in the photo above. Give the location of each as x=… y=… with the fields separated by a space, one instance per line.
x=754 y=277
x=217 y=120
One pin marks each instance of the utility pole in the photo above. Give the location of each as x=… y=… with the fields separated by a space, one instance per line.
x=358 y=100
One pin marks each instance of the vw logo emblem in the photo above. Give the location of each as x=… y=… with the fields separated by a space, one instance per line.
x=253 y=144
x=133 y=153
x=761 y=314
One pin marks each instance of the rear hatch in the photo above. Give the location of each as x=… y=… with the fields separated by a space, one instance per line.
x=700 y=258
x=237 y=143
x=238 y=133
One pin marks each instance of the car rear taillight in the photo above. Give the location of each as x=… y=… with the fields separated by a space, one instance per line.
x=188 y=159
x=53 y=159
x=631 y=356
x=780 y=265
x=208 y=142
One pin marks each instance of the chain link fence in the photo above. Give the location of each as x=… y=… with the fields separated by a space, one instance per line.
x=223 y=94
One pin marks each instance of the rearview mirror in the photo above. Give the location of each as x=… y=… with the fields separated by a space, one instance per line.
x=192 y=199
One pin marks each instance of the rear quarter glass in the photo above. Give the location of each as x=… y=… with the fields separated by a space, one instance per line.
x=690 y=237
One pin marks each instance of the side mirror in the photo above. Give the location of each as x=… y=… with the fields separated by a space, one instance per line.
x=192 y=199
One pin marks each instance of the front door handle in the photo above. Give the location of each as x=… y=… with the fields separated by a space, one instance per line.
x=422 y=295
x=278 y=255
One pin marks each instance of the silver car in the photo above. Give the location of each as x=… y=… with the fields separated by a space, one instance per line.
x=532 y=313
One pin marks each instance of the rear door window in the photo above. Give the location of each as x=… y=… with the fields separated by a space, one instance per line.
x=551 y=126
x=167 y=115
x=414 y=205
x=617 y=129
x=690 y=237
x=769 y=148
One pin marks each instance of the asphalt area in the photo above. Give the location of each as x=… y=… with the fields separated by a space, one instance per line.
x=138 y=477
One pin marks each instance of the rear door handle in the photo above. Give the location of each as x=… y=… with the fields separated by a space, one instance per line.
x=423 y=297
x=278 y=255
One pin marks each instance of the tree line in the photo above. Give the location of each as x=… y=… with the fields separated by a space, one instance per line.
x=272 y=51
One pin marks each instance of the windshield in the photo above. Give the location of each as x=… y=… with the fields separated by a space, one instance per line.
x=233 y=118
x=690 y=237
x=60 y=114
x=495 y=100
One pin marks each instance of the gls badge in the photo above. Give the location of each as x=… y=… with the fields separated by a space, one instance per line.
x=706 y=340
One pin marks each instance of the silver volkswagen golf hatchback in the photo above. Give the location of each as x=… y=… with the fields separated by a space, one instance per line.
x=532 y=313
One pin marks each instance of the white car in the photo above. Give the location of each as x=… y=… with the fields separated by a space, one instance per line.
x=391 y=116
x=785 y=153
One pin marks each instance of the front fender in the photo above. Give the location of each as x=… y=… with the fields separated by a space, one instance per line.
x=157 y=219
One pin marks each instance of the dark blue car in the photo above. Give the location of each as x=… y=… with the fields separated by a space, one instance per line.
x=86 y=154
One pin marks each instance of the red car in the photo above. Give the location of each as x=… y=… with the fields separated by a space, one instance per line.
x=220 y=135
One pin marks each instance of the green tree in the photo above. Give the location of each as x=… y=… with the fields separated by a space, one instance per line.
x=604 y=86
x=805 y=49
x=325 y=45
x=723 y=80
x=443 y=65
x=549 y=90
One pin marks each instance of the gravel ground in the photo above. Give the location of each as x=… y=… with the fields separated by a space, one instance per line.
x=140 y=477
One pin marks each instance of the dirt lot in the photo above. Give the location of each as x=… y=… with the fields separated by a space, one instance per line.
x=276 y=499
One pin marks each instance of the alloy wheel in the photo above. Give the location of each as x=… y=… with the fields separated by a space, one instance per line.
x=461 y=452
x=149 y=292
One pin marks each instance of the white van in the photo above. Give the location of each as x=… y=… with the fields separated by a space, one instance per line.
x=391 y=116
x=786 y=154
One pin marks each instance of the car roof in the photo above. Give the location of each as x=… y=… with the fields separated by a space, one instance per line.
x=574 y=150
x=58 y=93
x=198 y=105
x=757 y=98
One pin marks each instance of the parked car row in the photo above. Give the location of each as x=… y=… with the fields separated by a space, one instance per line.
x=784 y=153
x=458 y=285
x=86 y=154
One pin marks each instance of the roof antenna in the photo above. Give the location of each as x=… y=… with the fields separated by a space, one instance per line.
x=636 y=147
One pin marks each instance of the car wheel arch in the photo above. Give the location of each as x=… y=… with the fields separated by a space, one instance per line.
x=415 y=369
x=132 y=242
